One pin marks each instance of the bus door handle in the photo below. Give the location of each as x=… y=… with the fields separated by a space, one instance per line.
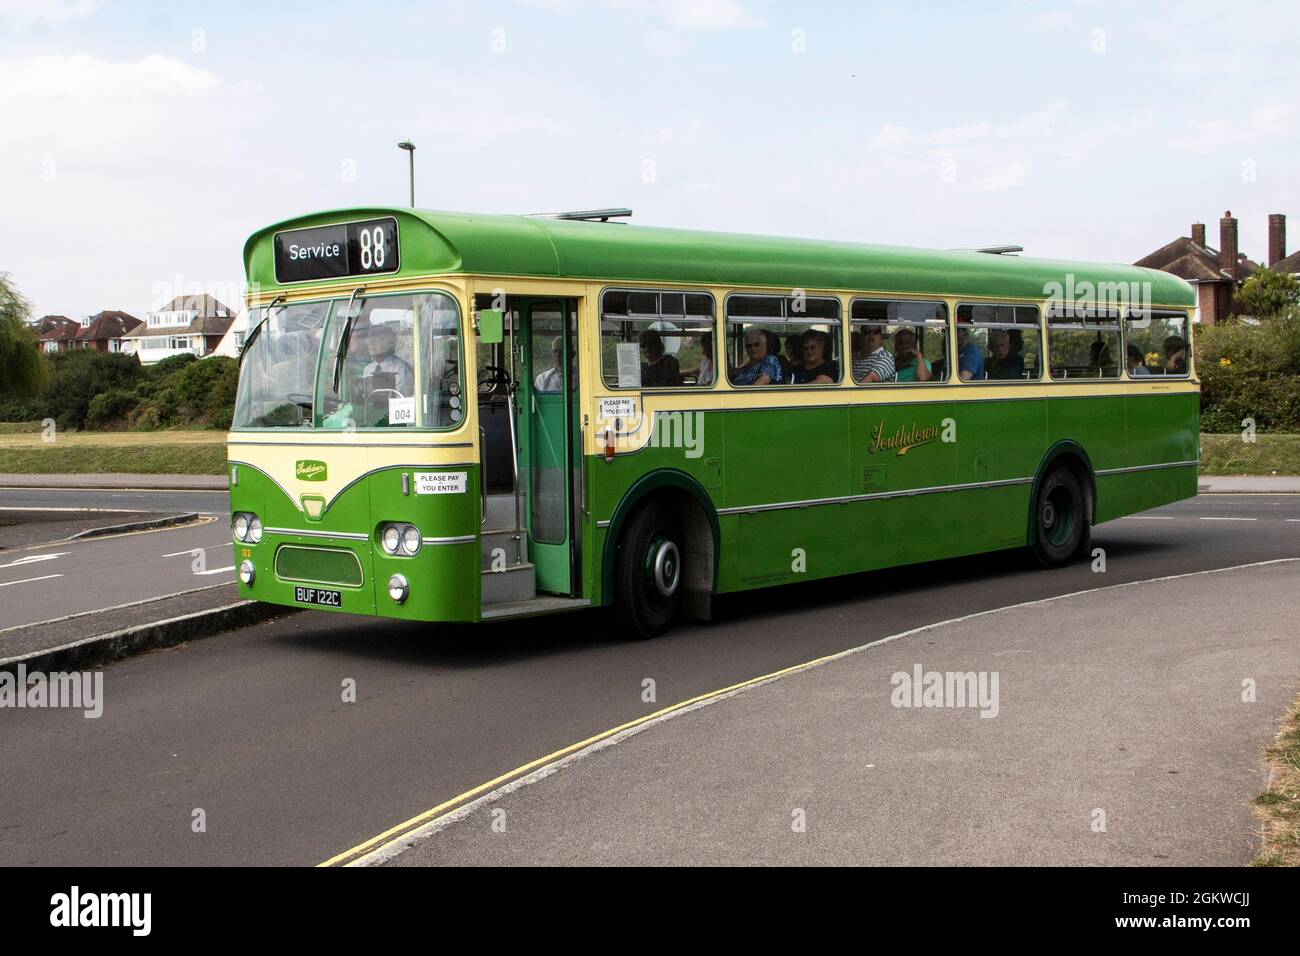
x=582 y=468
x=482 y=474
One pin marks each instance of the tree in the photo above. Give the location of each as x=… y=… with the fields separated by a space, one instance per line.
x=1267 y=294
x=22 y=367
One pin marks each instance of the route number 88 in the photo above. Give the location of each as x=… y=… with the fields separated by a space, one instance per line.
x=373 y=252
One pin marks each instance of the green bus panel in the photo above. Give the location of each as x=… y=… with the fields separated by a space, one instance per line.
x=878 y=455
x=444 y=578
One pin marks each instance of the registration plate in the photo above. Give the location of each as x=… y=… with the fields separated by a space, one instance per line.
x=318 y=596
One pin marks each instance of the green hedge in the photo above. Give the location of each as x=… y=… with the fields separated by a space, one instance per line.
x=1250 y=372
x=105 y=391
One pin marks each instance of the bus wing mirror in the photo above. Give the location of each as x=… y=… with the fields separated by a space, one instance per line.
x=491 y=325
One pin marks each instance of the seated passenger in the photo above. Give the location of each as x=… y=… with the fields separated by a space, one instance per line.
x=1003 y=363
x=657 y=368
x=911 y=364
x=552 y=379
x=761 y=367
x=1136 y=365
x=1175 y=356
x=384 y=360
x=703 y=372
x=794 y=349
x=816 y=369
x=1099 y=360
x=871 y=362
x=970 y=357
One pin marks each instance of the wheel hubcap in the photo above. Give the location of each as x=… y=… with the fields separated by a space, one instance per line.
x=666 y=566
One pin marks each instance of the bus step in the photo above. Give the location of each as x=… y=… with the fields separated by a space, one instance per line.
x=546 y=604
x=501 y=511
x=503 y=547
x=516 y=583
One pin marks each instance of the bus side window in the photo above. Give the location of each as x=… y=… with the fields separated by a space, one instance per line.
x=783 y=340
x=657 y=339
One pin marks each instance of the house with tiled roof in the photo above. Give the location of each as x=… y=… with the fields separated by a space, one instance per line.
x=1278 y=260
x=1216 y=274
x=105 y=331
x=193 y=324
x=56 y=333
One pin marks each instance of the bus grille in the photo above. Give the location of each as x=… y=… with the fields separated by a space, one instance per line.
x=318 y=566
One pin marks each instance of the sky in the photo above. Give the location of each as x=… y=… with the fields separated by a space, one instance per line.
x=142 y=142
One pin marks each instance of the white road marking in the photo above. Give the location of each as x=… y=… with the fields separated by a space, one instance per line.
x=46 y=577
x=1149 y=518
x=217 y=570
x=32 y=559
x=1228 y=519
x=177 y=554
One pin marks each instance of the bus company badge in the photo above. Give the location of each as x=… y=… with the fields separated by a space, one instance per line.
x=310 y=471
x=904 y=438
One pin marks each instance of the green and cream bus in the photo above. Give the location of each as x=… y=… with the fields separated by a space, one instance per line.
x=457 y=417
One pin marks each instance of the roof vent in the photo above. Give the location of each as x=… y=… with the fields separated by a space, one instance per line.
x=1000 y=250
x=586 y=215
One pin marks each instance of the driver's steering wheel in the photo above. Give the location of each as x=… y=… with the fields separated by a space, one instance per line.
x=491 y=376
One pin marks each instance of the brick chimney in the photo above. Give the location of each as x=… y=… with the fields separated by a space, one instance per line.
x=1198 y=234
x=1276 y=238
x=1228 y=244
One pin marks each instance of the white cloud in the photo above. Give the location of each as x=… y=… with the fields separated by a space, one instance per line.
x=1261 y=125
x=50 y=12
x=43 y=80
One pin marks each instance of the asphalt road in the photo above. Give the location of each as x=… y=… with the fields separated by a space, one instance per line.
x=251 y=728
x=40 y=583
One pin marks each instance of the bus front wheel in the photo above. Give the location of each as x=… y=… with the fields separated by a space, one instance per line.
x=1061 y=520
x=649 y=580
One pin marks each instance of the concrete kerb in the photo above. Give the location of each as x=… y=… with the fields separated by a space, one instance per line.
x=115 y=645
x=145 y=525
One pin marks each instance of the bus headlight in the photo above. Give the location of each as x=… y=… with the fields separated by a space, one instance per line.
x=255 y=529
x=398 y=588
x=400 y=540
x=240 y=525
x=247 y=572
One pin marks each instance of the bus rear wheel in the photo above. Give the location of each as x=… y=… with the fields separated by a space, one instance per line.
x=1061 y=520
x=648 y=584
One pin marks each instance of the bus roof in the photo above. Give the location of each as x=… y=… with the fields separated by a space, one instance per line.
x=481 y=244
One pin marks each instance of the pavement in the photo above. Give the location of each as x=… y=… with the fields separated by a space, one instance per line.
x=91 y=638
x=258 y=728
x=1249 y=484
x=118 y=481
x=1122 y=705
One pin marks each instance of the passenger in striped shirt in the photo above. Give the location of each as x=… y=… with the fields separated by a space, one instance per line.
x=871 y=361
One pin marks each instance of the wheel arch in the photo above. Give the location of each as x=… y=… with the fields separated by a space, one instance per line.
x=701 y=533
x=1072 y=455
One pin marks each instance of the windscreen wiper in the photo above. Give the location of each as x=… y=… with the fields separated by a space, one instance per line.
x=345 y=337
x=257 y=329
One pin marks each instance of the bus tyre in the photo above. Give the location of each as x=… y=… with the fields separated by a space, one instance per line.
x=1061 y=520
x=648 y=580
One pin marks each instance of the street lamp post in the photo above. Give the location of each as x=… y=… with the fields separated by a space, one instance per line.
x=410 y=151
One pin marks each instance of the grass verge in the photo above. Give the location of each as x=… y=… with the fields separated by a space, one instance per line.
x=1278 y=807
x=154 y=459
x=1267 y=455
x=25 y=452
